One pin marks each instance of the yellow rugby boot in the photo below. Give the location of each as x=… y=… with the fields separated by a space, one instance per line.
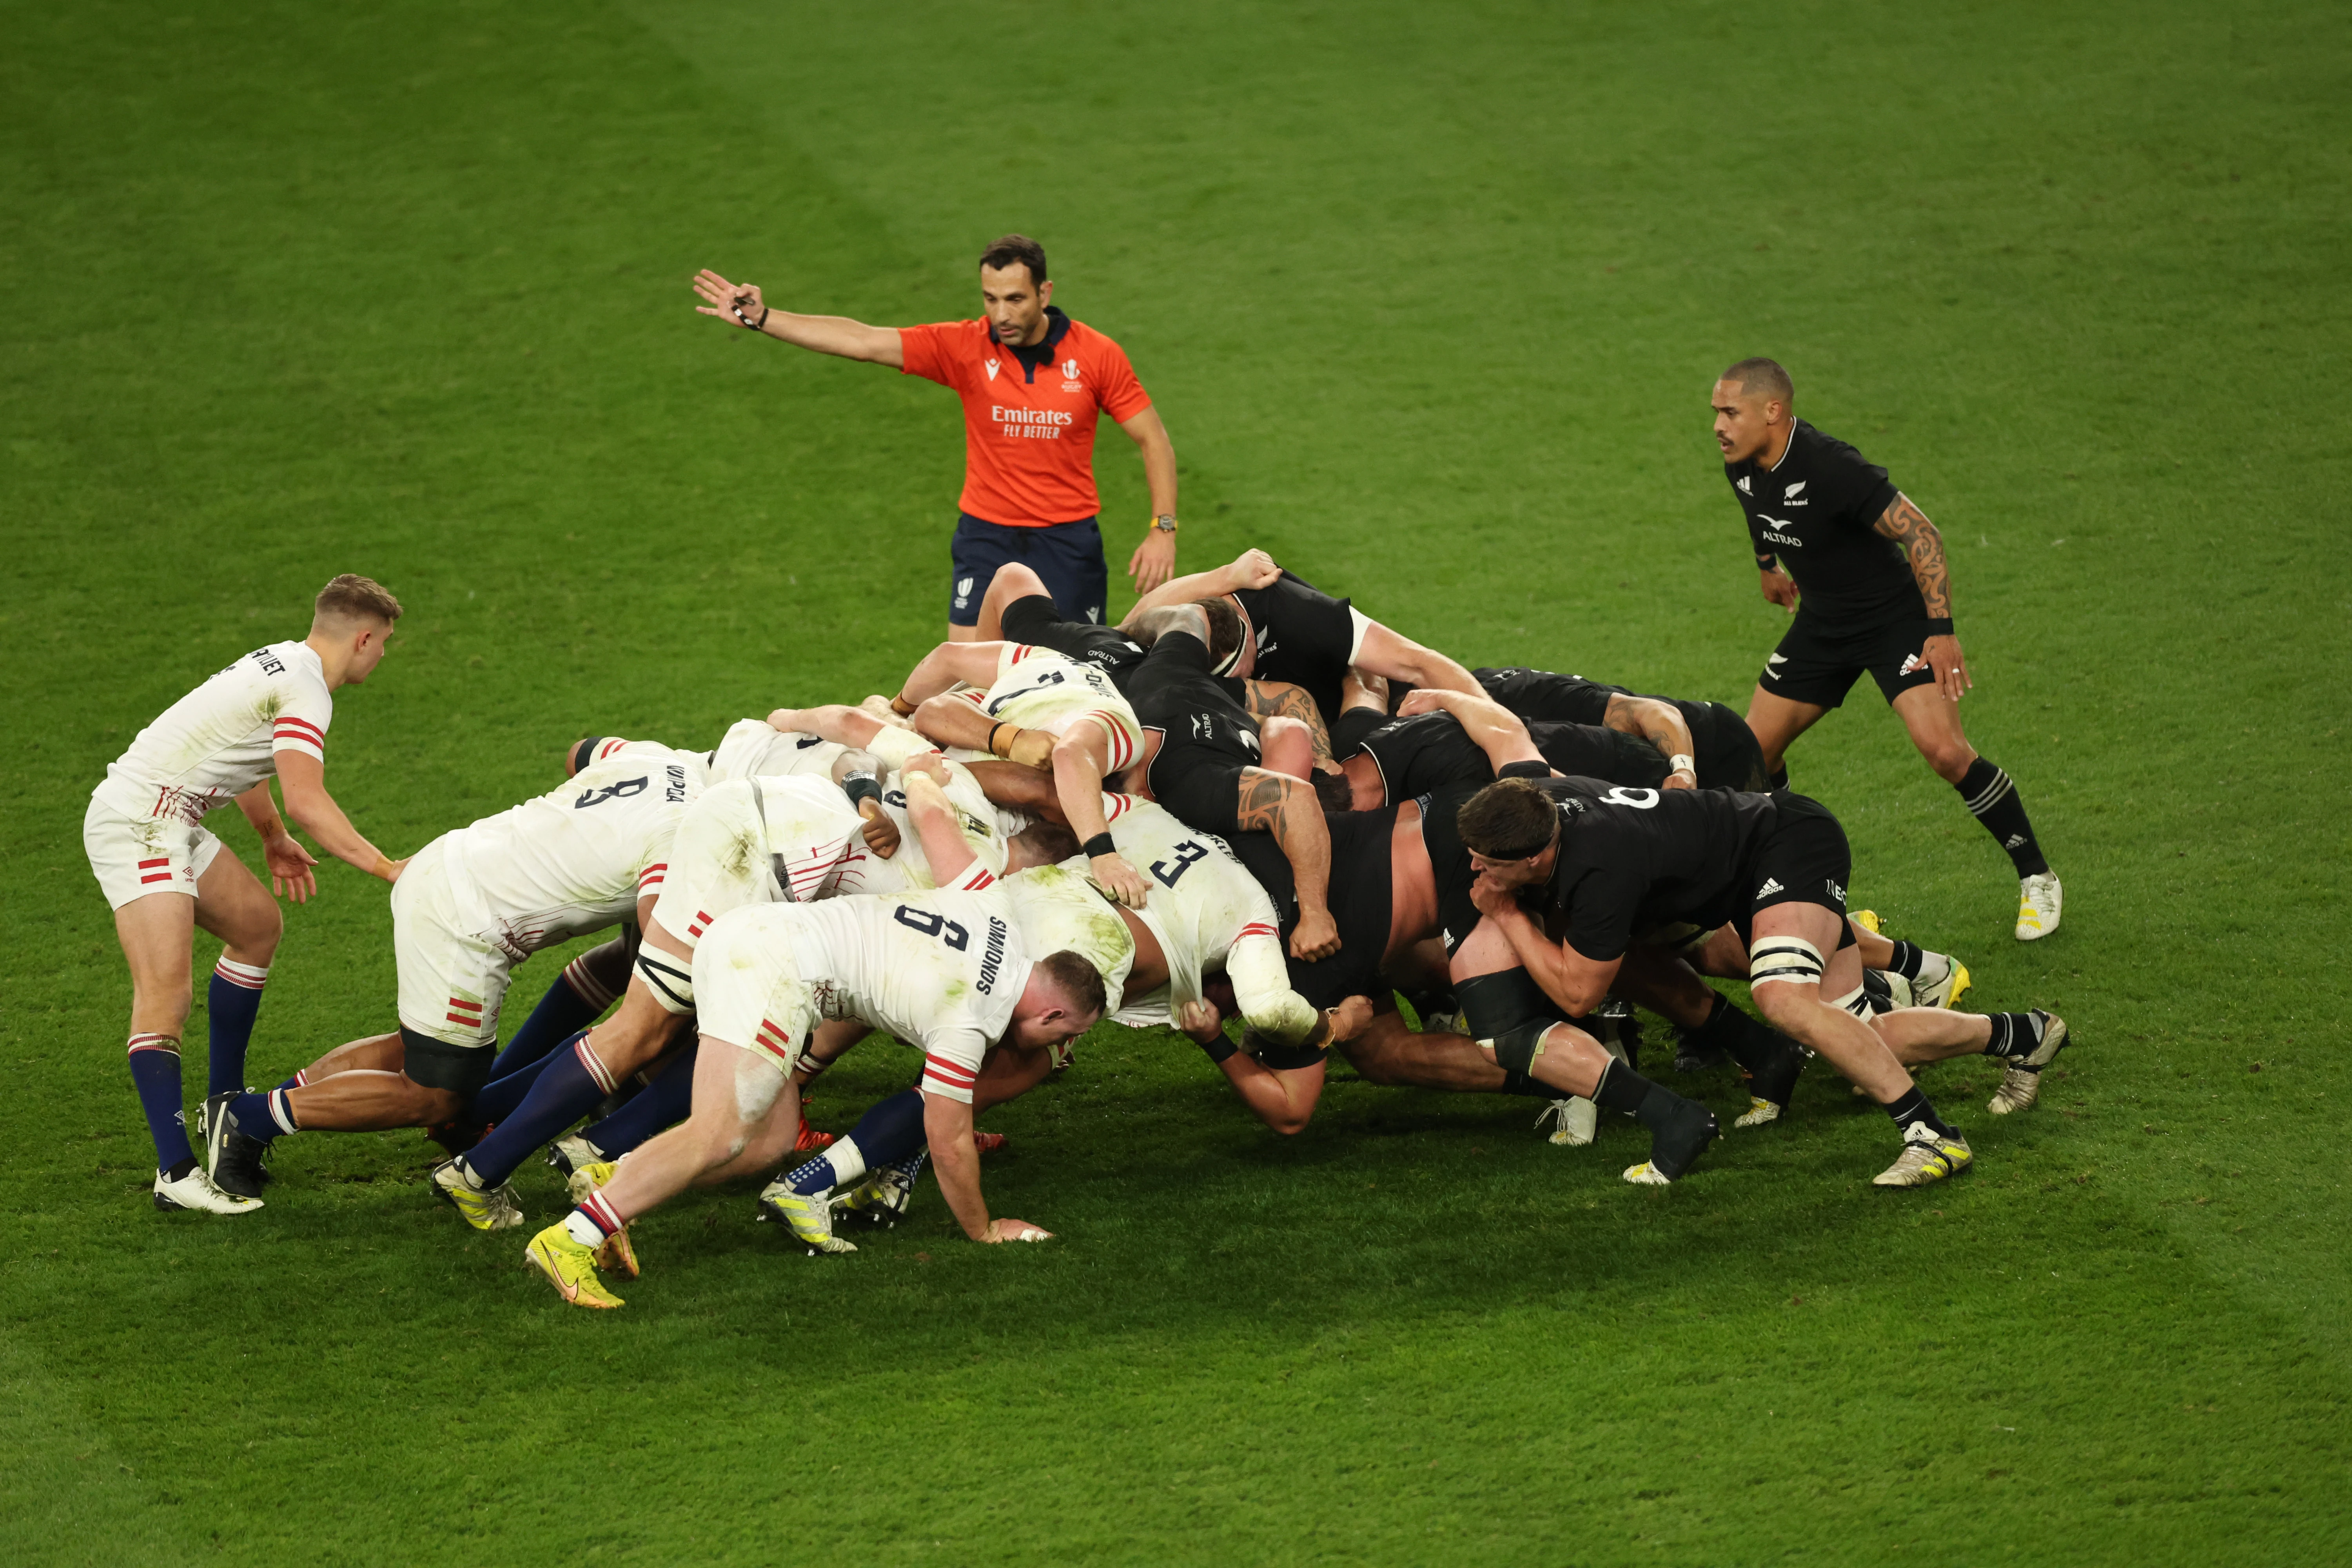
x=570 y=1268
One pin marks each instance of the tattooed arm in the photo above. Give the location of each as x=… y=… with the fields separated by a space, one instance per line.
x=1287 y=807
x=1660 y=723
x=1272 y=699
x=1924 y=547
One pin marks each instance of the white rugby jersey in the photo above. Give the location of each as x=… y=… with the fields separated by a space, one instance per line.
x=224 y=737
x=753 y=748
x=939 y=970
x=1058 y=909
x=987 y=827
x=1037 y=688
x=809 y=835
x=1210 y=916
x=580 y=857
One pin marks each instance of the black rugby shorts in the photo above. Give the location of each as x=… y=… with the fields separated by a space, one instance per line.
x=1819 y=665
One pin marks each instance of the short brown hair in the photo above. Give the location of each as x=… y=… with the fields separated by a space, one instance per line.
x=1765 y=376
x=1080 y=983
x=1015 y=247
x=1050 y=841
x=1510 y=819
x=355 y=598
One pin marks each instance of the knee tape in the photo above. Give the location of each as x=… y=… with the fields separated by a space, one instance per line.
x=1509 y=1013
x=1517 y=1047
x=1789 y=958
x=672 y=986
x=1857 y=1002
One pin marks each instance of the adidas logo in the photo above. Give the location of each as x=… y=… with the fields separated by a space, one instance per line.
x=1743 y=489
x=2014 y=841
x=1770 y=888
x=1913 y=662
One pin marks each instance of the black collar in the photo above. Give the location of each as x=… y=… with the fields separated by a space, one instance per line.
x=1057 y=327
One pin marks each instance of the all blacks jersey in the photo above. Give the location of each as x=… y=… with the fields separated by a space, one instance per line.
x=1814 y=511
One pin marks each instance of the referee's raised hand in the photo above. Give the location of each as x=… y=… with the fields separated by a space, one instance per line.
x=739 y=304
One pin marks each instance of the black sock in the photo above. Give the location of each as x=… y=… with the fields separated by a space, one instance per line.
x=1622 y=1089
x=1993 y=800
x=1778 y=777
x=1906 y=961
x=1520 y=1083
x=1914 y=1107
x=2014 y=1034
x=1731 y=1031
x=178 y=1169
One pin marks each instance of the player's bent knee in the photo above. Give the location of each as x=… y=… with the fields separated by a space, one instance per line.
x=1508 y=1014
x=668 y=980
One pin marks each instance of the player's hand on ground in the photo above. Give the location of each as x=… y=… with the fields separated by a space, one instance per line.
x=1153 y=563
x=1253 y=569
x=290 y=873
x=1015 y=1230
x=1201 y=1020
x=1781 y=589
x=1114 y=875
x=1943 y=655
x=727 y=300
x=1317 y=936
x=880 y=832
x=1351 y=1017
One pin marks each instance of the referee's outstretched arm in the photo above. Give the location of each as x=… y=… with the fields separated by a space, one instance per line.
x=740 y=303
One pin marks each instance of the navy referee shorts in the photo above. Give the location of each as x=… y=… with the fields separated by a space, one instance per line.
x=1067 y=556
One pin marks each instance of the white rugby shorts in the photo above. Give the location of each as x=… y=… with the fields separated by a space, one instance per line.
x=132 y=857
x=1058 y=712
x=748 y=991
x=452 y=980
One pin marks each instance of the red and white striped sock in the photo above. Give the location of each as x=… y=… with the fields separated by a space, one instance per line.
x=252 y=976
x=593 y=1222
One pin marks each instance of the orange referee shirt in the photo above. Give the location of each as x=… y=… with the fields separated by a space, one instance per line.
x=1029 y=413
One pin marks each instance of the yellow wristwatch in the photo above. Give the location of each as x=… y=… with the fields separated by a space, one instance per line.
x=1165 y=522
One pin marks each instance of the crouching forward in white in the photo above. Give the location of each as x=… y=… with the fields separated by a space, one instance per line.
x=947 y=971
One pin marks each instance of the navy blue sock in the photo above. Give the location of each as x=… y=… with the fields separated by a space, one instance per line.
x=231 y=1001
x=155 y=1073
x=565 y=1091
x=561 y=1014
x=262 y=1113
x=499 y=1098
x=664 y=1102
x=891 y=1131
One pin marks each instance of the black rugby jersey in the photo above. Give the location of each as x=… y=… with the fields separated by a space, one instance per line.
x=1431 y=751
x=1630 y=859
x=1302 y=635
x=1813 y=510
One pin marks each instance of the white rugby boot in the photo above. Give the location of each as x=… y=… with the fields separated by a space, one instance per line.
x=2038 y=898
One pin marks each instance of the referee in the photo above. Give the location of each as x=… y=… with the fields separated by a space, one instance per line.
x=1033 y=384
x=1866 y=575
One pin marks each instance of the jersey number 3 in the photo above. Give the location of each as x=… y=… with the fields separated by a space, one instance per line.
x=1188 y=855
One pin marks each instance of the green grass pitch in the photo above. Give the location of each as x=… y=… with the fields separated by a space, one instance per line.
x=1430 y=297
